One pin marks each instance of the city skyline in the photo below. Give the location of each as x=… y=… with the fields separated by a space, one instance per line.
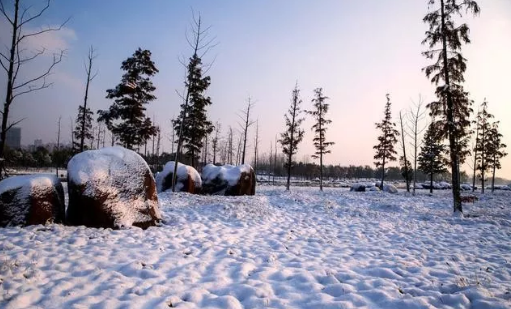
x=357 y=52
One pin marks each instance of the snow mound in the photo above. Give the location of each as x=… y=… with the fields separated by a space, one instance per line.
x=228 y=180
x=31 y=199
x=188 y=179
x=111 y=187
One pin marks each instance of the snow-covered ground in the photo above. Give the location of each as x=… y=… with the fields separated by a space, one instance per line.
x=304 y=249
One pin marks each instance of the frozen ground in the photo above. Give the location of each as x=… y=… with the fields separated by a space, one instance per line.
x=303 y=249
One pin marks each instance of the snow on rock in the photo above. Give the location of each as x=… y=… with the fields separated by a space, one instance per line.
x=228 y=180
x=188 y=179
x=389 y=188
x=111 y=187
x=31 y=200
x=358 y=187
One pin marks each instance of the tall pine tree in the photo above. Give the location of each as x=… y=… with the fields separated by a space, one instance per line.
x=319 y=128
x=126 y=116
x=483 y=150
x=293 y=134
x=430 y=158
x=83 y=128
x=197 y=125
x=497 y=150
x=385 y=148
x=452 y=110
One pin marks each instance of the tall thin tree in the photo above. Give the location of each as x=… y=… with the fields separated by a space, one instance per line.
x=293 y=134
x=431 y=159
x=484 y=143
x=193 y=125
x=245 y=124
x=444 y=39
x=319 y=128
x=497 y=150
x=406 y=167
x=416 y=127
x=84 y=110
x=385 y=148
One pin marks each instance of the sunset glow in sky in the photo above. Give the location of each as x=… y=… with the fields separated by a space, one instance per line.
x=357 y=51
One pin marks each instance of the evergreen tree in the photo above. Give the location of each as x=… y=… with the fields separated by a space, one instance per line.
x=83 y=128
x=197 y=125
x=430 y=158
x=293 y=134
x=385 y=149
x=126 y=116
x=483 y=149
x=319 y=128
x=496 y=150
x=453 y=106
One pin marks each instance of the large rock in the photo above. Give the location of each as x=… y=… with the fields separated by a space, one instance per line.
x=358 y=187
x=111 y=188
x=188 y=179
x=389 y=188
x=30 y=200
x=228 y=180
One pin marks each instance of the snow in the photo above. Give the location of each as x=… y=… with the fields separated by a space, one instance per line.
x=182 y=174
x=277 y=249
x=118 y=173
x=229 y=173
x=29 y=185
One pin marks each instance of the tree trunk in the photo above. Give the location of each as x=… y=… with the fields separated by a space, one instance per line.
x=404 y=154
x=431 y=183
x=455 y=173
x=10 y=85
x=493 y=174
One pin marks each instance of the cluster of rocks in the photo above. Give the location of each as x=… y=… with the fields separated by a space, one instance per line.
x=228 y=180
x=110 y=188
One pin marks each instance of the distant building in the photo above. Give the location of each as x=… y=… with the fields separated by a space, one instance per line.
x=13 y=138
x=38 y=143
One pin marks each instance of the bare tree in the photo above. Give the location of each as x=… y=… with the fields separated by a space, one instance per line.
x=230 y=149
x=58 y=145
x=406 y=172
x=18 y=57
x=245 y=125
x=216 y=140
x=415 y=125
x=256 y=146
x=88 y=71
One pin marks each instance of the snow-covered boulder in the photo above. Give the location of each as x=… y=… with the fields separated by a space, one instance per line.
x=228 y=180
x=111 y=188
x=389 y=188
x=358 y=187
x=188 y=179
x=465 y=187
x=30 y=200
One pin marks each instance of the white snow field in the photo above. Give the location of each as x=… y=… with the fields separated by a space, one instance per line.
x=303 y=249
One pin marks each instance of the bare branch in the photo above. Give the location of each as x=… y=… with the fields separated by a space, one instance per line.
x=49 y=29
x=2 y=9
x=56 y=60
x=13 y=124
x=23 y=22
x=33 y=88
